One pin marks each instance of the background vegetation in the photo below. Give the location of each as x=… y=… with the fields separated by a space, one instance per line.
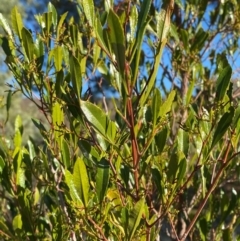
x=136 y=135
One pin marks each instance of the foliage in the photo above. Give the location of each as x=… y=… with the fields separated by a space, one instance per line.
x=155 y=165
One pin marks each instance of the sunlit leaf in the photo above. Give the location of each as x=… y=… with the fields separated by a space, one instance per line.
x=80 y=179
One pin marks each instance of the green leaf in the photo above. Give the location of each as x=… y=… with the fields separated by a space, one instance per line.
x=8 y=104
x=74 y=35
x=76 y=75
x=117 y=40
x=6 y=27
x=53 y=10
x=28 y=44
x=31 y=149
x=2 y=164
x=173 y=165
x=199 y=40
x=39 y=52
x=81 y=182
x=65 y=154
x=57 y=121
x=102 y=179
x=99 y=120
x=156 y=103
x=60 y=25
x=183 y=141
x=72 y=187
x=17 y=23
x=223 y=126
x=135 y=217
x=161 y=138
x=156 y=176
x=89 y=11
x=167 y=105
x=47 y=22
x=133 y=20
x=18 y=131
x=181 y=171
x=58 y=57
x=100 y=38
x=223 y=82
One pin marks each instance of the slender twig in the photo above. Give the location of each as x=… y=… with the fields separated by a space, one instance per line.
x=98 y=228
x=211 y=189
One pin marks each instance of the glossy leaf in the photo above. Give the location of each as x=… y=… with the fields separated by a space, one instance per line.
x=2 y=164
x=223 y=126
x=223 y=82
x=156 y=103
x=58 y=57
x=60 y=25
x=66 y=158
x=6 y=27
x=80 y=179
x=47 y=22
x=167 y=105
x=135 y=217
x=75 y=70
x=71 y=185
x=28 y=44
x=88 y=7
x=117 y=40
x=53 y=10
x=8 y=104
x=100 y=38
x=102 y=179
x=133 y=22
x=17 y=23
x=57 y=119
x=99 y=120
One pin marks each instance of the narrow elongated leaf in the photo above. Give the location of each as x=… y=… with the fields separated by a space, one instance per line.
x=47 y=22
x=57 y=119
x=135 y=217
x=161 y=138
x=102 y=179
x=81 y=182
x=223 y=126
x=133 y=22
x=117 y=40
x=17 y=23
x=28 y=44
x=156 y=176
x=100 y=38
x=75 y=70
x=60 y=25
x=2 y=164
x=223 y=82
x=181 y=171
x=52 y=9
x=167 y=105
x=32 y=153
x=65 y=154
x=183 y=141
x=6 y=27
x=58 y=57
x=8 y=104
x=71 y=185
x=39 y=52
x=156 y=103
x=173 y=165
x=88 y=7
x=99 y=120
